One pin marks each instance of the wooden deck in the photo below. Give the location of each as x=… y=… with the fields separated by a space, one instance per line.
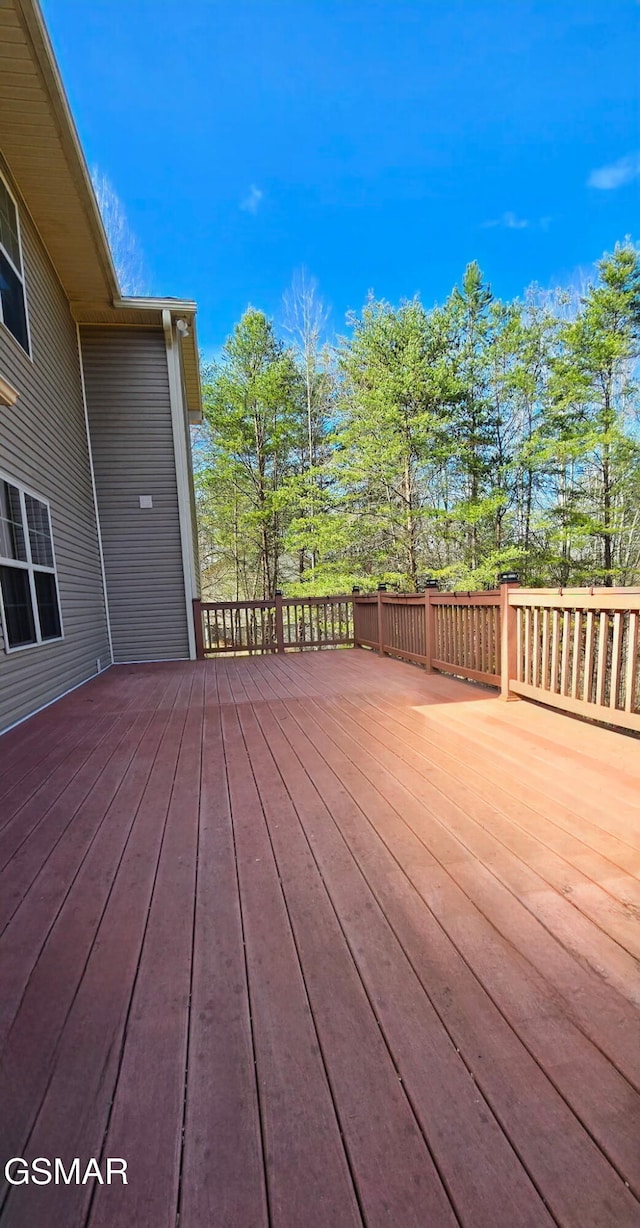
x=320 y=941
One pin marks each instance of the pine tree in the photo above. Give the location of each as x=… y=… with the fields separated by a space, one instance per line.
x=591 y=418
x=456 y=441
x=250 y=405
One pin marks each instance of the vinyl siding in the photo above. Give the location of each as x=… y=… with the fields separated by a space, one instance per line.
x=127 y=386
x=43 y=445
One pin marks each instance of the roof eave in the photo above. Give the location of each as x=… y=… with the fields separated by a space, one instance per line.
x=130 y=312
x=184 y=305
x=34 y=23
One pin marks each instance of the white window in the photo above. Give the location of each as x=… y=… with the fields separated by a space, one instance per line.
x=13 y=301
x=28 y=583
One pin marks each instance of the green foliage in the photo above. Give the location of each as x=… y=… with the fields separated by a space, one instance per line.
x=253 y=428
x=457 y=442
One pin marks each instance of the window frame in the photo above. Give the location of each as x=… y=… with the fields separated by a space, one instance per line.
x=20 y=274
x=30 y=567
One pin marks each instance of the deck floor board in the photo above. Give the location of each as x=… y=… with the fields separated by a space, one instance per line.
x=308 y=1178
x=63 y=1040
x=522 y=995
x=223 y=1151
x=604 y=932
x=320 y=939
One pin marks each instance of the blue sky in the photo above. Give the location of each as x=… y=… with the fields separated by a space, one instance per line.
x=380 y=143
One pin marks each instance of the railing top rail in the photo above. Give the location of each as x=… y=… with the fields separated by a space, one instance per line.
x=432 y=593
x=269 y=603
x=482 y=597
x=401 y=598
x=237 y=605
x=333 y=599
x=577 y=599
x=584 y=589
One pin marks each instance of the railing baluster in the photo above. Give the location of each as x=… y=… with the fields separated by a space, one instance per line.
x=555 y=650
x=616 y=656
x=631 y=669
x=564 y=665
x=527 y=645
x=577 y=653
x=535 y=679
x=603 y=649
x=544 y=670
x=588 y=656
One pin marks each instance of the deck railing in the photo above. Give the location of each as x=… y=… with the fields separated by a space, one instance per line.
x=253 y=627
x=458 y=633
x=393 y=624
x=466 y=634
x=576 y=649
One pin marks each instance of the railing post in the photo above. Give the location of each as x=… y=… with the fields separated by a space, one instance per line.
x=197 y=618
x=380 y=626
x=279 y=623
x=354 y=613
x=508 y=638
x=428 y=631
x=429 y=624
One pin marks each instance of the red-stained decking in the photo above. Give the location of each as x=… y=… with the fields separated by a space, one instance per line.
x=319 y=941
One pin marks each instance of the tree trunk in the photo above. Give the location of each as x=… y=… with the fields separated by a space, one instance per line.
x=607 y=490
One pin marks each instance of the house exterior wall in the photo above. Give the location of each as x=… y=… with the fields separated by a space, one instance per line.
x=129 y=405
x=43 y=445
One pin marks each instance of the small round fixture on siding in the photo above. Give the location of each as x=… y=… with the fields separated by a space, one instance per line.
x=182 y=327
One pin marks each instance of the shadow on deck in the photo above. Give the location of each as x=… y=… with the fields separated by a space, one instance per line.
x=319 y=941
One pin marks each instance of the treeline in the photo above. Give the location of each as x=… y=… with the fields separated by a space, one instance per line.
x=455 y=442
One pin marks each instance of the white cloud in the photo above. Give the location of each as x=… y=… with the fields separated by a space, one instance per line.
x=252 y=200
x=511 y=221
x=616 y=174
x=125 y=249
